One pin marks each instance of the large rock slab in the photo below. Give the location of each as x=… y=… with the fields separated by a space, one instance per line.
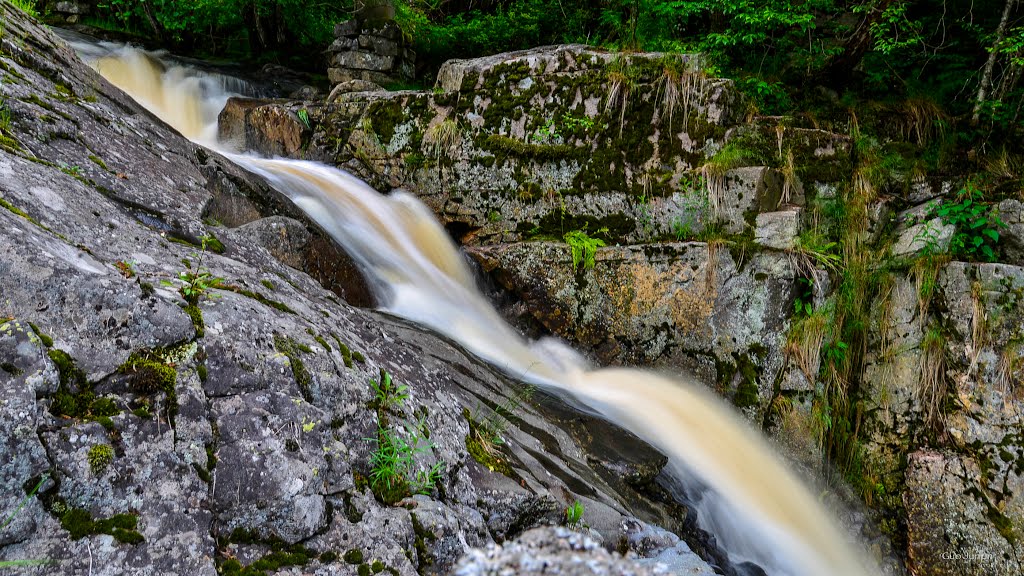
x=687 y=305
x=195 y=437
x=515 y=145
x=949 y=532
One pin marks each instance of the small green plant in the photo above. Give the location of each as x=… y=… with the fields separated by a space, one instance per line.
x=928 y=240
x=387 y=394
x=682 y=229
x=304 y=116
x=546 y=133
x=818 y=250
x=835 y=352
x=803 y=304
x=574 y=515
x=100 y=456
x=584 y=248
x=643 y=210
x=977 y=224
x=488 y=430
x=494 y=216
x=577 y=123
x=126 y=268
x=26 y=6
x=394 y=471
x=196 y=281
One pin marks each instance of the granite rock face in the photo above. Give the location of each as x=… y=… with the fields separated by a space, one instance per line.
x=690 y=305
x=174 y=435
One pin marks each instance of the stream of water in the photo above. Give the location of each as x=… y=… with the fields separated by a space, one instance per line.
x=757 y=509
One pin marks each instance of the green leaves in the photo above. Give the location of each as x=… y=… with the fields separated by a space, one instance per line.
x=574 y=515
x=388 y=395
x=583 y=247
x=394 y=471
x=977 y=225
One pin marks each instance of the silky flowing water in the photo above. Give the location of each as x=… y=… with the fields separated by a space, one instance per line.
x=752 y=503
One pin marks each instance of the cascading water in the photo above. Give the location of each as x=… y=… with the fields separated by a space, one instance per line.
x=756 y=508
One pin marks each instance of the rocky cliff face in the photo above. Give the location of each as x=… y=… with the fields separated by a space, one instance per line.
x=718 y=259
x=188 y=388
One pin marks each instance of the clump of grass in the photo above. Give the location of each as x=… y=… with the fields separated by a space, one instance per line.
x=931 y=392
x=922 y=120
x=394 y=470
x=925 y=271
x=677 y=86
x=788 y=171
x=574 y=515
x=10 y=518
x=805 y=340
x=442 y=138
x=713 y=172
x=489 y=430
x=622 y=80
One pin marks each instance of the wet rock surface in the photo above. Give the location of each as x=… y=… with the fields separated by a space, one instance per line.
x=178 y=434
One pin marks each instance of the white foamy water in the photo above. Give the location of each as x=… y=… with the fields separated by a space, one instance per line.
x=756 y=508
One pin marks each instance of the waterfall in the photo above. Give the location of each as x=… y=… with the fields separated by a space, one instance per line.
x=757 y=509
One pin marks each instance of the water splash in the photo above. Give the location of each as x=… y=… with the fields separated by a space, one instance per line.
x=757 y=509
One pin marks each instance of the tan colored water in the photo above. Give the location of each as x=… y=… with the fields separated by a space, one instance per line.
x=758 y=510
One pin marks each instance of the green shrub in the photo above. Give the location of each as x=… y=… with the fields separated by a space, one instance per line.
x=977 y=225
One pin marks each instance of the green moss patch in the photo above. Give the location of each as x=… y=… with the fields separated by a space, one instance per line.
x=354 y=556
x=426 y=559
x=100 y=456
x=281 y=555
x=46 y=340
x=150 y=373
x=74 y=397
x=293 y=350
x=79 y=523
x=196 y=315
x=485 y=457
x=260 y=298
x=503 y=146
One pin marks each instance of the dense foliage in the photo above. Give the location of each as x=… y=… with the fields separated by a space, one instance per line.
x=963 y=56
x=239 y=28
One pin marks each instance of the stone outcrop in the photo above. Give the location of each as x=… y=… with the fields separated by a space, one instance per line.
x=372 y=50
x=690 y=305
x=561 y=551
x=717 y=260
x=199 y=436
x=69 y=11
x=519 y=146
